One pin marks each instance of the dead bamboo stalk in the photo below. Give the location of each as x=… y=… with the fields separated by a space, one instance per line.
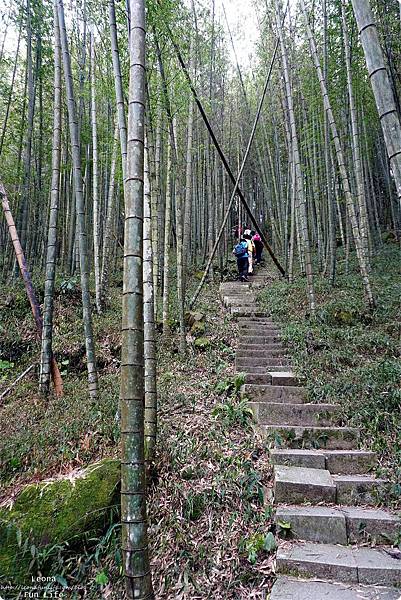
x=19 y=253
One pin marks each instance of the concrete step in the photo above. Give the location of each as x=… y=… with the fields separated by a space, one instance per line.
x=258 y=354
x=258 y=328
x=369 y=566
x=274 y=393
x=270 y=368
x=360 y=489
x=291 y=588
x=339 y=525
x=336 y=461
x=243 y=322
x=284 y=377
x=333 y=438
x=260 y=340
x=246 y=312
x=258 y=361
x=275 y=413
x=295 y=485
x=259 y=319
x=259 y=348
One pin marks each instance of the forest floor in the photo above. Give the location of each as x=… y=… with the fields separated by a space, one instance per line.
x=207 y=511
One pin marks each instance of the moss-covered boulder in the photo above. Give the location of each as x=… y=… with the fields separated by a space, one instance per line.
x=54 y=512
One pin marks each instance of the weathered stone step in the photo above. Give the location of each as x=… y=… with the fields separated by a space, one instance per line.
x=241 y=302
x=276 y=413
x=260 y=319
x=360 y=489
x=273 y=376
x=348 y=462
x=339 y=525
x=257 y=354
x=258 y=348
x=261 y=322
x=333 y=438
x=260 y=340
x=266 y=371
x=246 y=312
x=274 y=393
x=291 y=588
x=295 y=485
x=371 y=566
x=260 y=361
x=257 y=327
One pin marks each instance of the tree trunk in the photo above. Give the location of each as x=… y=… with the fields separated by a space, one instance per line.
x=51 y=256
x=95 y=178
x=149 y=322
x=303 y=219
x=381 y=86
x=133 y=476
x=341 y=164
x=80 y=208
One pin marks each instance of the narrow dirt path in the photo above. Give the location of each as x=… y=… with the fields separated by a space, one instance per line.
x=337 y=543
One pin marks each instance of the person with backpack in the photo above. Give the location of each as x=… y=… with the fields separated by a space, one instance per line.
x=241 y=254
x=258 y=248
x=250 y=250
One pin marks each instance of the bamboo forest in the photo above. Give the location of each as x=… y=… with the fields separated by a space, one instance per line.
x=200 y=299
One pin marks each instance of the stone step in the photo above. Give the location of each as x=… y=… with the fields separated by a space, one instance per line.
x=259 y=348
x=360 y=489
x=284 y=377
x=275 y=413
x=347 y=462
x=260 y=340
x=241 y=302
x=291 y=588
x=263 y=371
x=371 y=566
x=258 y=354
x=243 y=322
x=294 y=485
x=246 y=312
x=270 y=368
x=259 y=319
x=258 y=361
x=339 y=525
x=274 y=393
x=257 y=327
x=333 y=438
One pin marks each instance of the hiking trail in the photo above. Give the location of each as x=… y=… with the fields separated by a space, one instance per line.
x=325 y=494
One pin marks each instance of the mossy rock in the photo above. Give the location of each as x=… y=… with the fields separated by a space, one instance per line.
x=198 y=329
x=54 y=512
x=202 y=343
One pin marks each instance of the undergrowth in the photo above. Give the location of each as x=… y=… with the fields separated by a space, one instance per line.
x=209 y=523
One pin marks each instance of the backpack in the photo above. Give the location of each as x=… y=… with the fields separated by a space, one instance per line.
x=239 y=250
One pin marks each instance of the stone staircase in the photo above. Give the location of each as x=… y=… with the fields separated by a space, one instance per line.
x=335 y=544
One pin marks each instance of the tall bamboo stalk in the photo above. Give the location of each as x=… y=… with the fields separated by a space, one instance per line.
x=80 y=206
x=133 y=476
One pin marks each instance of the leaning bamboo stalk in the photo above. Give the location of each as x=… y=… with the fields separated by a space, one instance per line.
x=19 y=253
x=221 y=153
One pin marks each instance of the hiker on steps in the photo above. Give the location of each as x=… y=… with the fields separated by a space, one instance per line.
x=241 y=254
x=250 y=252
x=258 y=248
